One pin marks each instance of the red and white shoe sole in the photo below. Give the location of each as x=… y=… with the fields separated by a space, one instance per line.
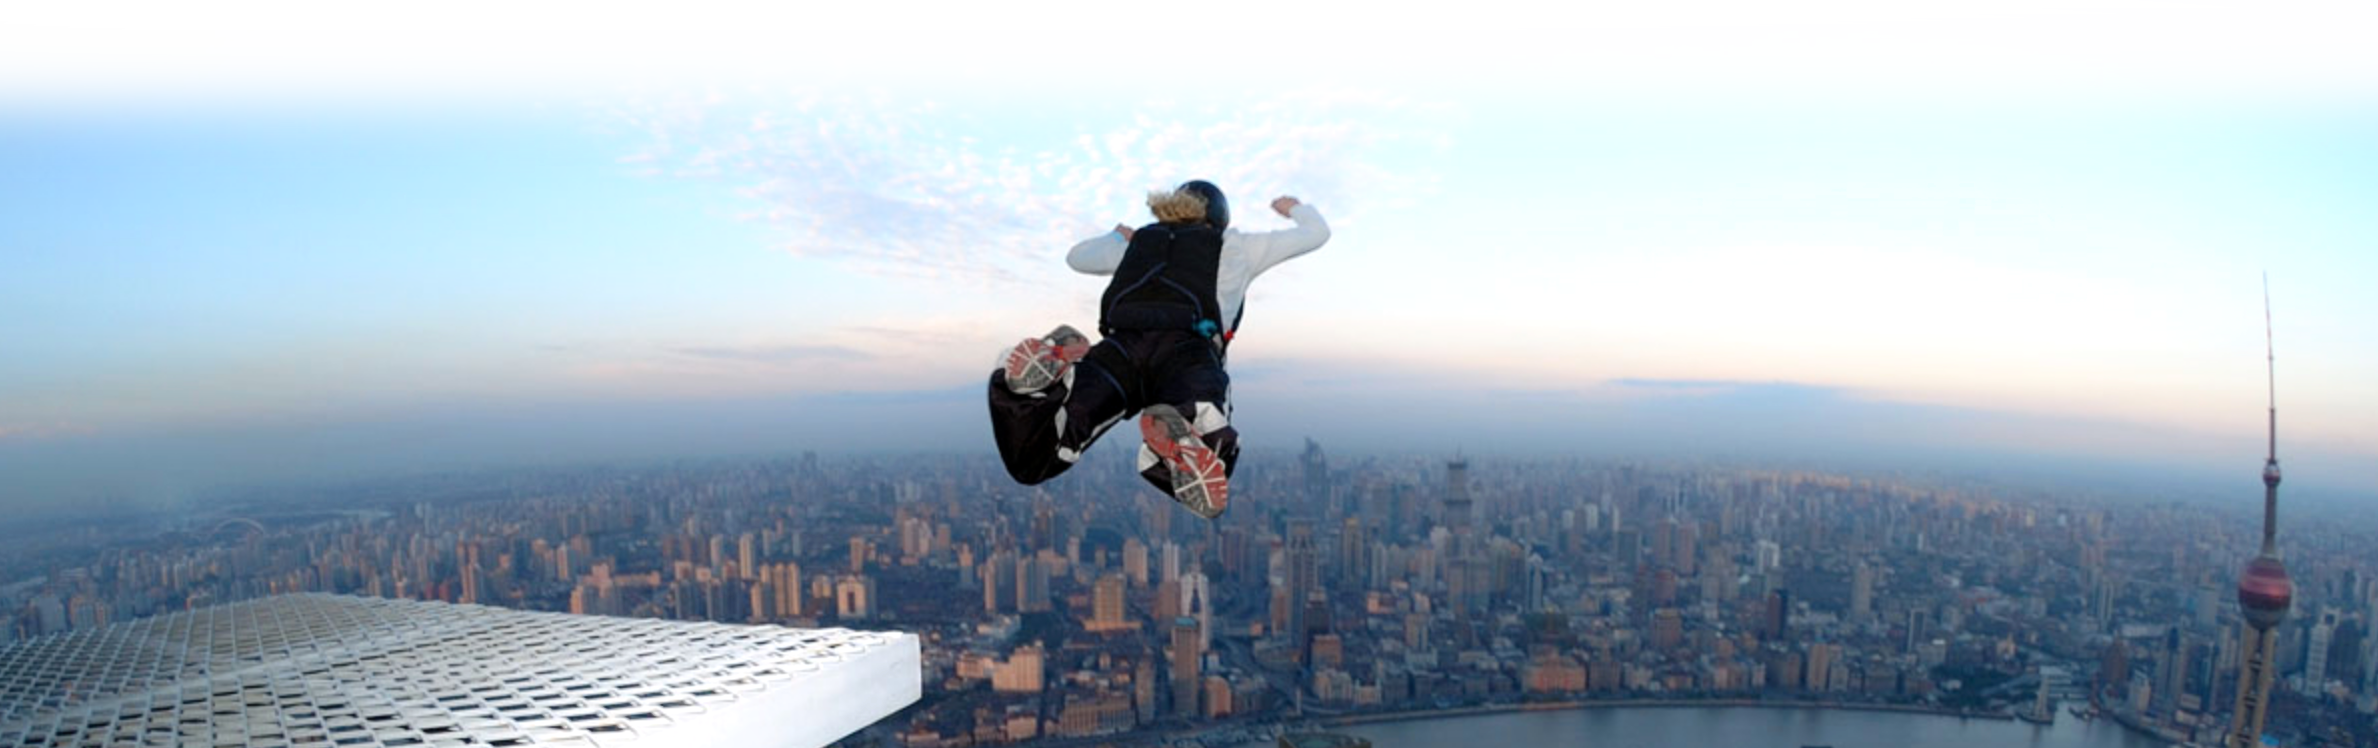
x=1197 y=473
x=1033 y=365
x=1036 y=363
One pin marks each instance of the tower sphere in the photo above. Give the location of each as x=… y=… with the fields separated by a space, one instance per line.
x=2264 y=592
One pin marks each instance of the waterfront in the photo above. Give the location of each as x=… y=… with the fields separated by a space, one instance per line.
x=1742 y=727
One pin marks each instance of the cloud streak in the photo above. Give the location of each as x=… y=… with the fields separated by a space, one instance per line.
x=41 y=431
x=912 y=188
x=773 y=354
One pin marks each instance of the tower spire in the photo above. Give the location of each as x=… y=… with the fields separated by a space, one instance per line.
x=2271 y=363
x=2270 y=465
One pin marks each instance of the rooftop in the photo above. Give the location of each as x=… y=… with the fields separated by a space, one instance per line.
x=356 y=671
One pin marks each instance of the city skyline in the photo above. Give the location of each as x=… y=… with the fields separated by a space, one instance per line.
x=1960 y=258
x=1356 y=586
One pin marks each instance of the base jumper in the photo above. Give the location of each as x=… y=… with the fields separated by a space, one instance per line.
x=1177 y=293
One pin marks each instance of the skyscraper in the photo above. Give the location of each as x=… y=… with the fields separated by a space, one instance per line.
x=854 y=597
x=1032 y=584
x=1352 y=547
x=1107 y=604
x=1316 y=473
x=1135 y=562
x=1186 y=651
x=1862 y=593
x=1169 y=566
x=1197 y=595
x=2324 y=631
x=2173 y=676
x=1667 y=629
x=2264 y=591
x=1779 y=615
x=1304 y=578
x=1457 y=495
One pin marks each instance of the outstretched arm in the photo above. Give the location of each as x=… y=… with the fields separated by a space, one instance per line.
x=1101 y=254
x=1274 y=247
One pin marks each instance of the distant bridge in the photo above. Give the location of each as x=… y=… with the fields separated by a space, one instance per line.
x=255 y=528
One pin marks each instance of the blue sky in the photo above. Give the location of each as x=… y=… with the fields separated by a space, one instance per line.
x=2067 y=254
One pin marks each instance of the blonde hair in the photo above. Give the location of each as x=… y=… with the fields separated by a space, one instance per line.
x=1177 y=206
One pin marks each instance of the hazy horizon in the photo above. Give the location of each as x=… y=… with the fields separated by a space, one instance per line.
x=1933 y=238
x=1770 y=425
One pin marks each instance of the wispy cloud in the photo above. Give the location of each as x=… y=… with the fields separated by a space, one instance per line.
x=36 y=431
x=1769 y=391
x=772 y=354
x=909 y=187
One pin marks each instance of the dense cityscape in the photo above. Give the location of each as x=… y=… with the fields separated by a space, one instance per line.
x=1092 y=610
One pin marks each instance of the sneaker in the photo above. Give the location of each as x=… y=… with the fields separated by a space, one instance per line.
x=1036 y=363
x=1198 y=481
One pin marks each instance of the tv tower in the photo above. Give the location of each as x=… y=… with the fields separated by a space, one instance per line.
x=2264 y=591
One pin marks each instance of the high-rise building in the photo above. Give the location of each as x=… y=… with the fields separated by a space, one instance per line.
x=1353 y=548
x=1862 y=593
x=1821 y=658
x=2172 y=678
x=2113 y=667
x=1197 y=597
x=1187 y=651
x=2369 y=655
x=1032 y=583
x=1304 y=578
x=1135 y=562
x=786 y=580
x=1044 y=523
x=1168 y=600
x=999 y=581
x=1688 y=550
x=1667 y=629
x=399 y=672
x=1779 y=615
x=2264 y=594
x=1106 y=604
x=1022 y=672
x=1457 y=495
x=2324 y=630
x=1316 y=474
x=854 y=597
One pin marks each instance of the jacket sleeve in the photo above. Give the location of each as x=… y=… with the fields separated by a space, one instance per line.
x=1098 y=255
x=1274 y=247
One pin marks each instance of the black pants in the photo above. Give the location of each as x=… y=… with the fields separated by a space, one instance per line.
x=1041 y=435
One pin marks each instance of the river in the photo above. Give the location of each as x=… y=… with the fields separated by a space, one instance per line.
x=1741 y=727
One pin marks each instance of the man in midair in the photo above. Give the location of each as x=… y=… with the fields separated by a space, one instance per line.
x=1178 y=291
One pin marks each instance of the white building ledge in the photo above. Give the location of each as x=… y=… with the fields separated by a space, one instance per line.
x=334 y=671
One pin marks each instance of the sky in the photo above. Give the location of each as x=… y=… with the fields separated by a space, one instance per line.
x=273 y=241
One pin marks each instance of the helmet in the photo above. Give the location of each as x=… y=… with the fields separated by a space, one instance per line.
x=1217 y=207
